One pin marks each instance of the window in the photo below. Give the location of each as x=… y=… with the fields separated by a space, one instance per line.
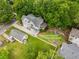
x=31 y=25
x=28 y=28
x=70 y=38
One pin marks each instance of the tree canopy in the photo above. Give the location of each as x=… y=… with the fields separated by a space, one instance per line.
x=57 y=13
x=4 y=54
x=5 y=11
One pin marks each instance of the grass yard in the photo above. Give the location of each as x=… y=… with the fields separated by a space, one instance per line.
x=1 y=38
x=19 y=51
x=31 y=49
x=51 y=38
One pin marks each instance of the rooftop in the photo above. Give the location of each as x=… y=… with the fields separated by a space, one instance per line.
x=36 y=20
x=74 y=32
x=18 y=35
x=69 y=51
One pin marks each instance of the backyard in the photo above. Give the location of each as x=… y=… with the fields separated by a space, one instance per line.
x=51 y=38
x=26 y=51
x=33 y=49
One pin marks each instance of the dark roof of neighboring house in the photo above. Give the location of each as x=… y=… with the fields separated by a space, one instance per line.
x=18 y=35
x=69 y=51
x=36 y=20
x=74 y=32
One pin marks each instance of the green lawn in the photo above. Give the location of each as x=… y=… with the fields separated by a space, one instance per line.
x=30 y=49
x=19 y=51
x=51 y=37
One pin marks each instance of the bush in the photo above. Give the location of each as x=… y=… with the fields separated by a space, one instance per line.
x=4 y=54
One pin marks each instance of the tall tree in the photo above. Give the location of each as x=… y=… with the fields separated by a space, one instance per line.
x=57 y=13
x=5 y=11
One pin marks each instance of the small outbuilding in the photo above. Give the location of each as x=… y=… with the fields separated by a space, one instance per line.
x=18 y=35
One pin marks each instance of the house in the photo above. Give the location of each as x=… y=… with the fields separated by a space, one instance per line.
x=74 y=36
x=33 y=24
x=69 y=51
x=18 y=35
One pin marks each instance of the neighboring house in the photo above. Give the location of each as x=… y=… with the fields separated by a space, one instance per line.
x=74 y=36
x=69 y=51
x=3 y=28
x=33 y=24
x=18 y=35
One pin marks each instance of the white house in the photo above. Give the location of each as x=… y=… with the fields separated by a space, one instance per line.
x=74 y=36
x=33 y=24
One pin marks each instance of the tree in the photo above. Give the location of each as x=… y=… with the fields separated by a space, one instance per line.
x=51 y=54
x=5 y=11
x=31 y=52
x=23 y=7
x=4 y=54
x=74 y=12
x=57 y=13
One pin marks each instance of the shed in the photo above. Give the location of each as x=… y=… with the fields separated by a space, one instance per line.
x=18 y=35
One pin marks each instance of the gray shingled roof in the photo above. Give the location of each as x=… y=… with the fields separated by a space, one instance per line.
x=36 y=20
x=69 y=51
x=18 y=35
x=74 y=32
